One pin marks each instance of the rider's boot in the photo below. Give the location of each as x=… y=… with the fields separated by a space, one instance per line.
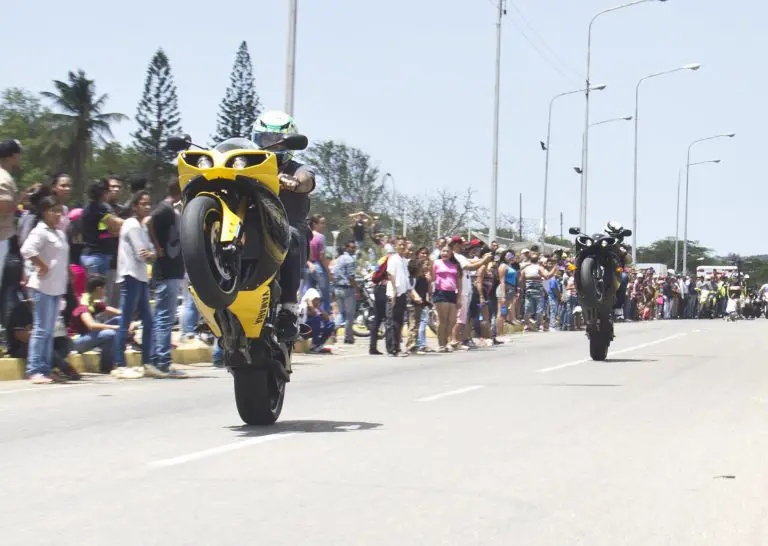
x=288 y=322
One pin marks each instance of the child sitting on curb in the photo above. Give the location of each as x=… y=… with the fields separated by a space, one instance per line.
x=87 y=332
x=313 y=316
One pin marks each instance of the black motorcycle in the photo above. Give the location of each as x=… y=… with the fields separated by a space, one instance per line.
x=598 y=260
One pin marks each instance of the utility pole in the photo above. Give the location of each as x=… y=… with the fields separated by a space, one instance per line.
x=495 y=167
x=290 y=75
x=561 y=225
x=520 y=220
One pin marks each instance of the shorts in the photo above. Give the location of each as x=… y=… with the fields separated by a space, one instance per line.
x=444 y=296
x=511 y=292
x=462 y=313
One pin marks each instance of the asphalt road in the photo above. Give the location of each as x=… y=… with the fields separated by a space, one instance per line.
x=528 y=444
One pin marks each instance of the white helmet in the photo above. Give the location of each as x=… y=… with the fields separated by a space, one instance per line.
x=613 y=228
x=271 y=127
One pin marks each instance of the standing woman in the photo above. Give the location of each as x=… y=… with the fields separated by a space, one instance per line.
x=446 y=274
x=533 y=276
x=100 y=226
x=134 y=253
x=506 y=293
x=47 y=249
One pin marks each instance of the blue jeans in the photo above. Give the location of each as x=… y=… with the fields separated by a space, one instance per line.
x=166 y=302
x=422 y=339
x=40 y=355
x=319 y=280
x=553 y=309
x=101 y=339
x=134 y=295
x=534 y=304
x=96 y=263
x=321 y=330
x=347 y=303
x=190 y=315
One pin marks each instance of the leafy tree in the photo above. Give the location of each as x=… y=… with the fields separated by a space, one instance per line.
x=115 y=158
x=449 y=212
x=79 y=124
x=158 y=118
x=22 y=116
x=347 y=182
x=663 y=252
x=554 y=240
x=240 y=107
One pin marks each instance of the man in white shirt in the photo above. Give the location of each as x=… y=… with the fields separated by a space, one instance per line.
x=10 y=160
x=398 y=285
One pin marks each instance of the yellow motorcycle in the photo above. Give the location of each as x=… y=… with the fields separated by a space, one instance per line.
x=234 y=238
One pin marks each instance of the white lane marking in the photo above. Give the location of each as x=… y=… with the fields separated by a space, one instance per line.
x=44 y=388
x=695 y=331
x=450 y=393
x=219 y=450
x=610 y=354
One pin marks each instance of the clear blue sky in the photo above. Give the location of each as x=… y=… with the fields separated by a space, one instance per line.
x=411 y=83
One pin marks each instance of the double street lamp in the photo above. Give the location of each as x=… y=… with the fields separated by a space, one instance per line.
x=694 y=67
x=546 y=149
x=687 y=179
x=587 y=89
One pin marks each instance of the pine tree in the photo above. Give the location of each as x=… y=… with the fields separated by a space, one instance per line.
x=158 y=118
x=240 y=107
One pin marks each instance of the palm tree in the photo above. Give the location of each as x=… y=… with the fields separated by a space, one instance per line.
x=79 y=124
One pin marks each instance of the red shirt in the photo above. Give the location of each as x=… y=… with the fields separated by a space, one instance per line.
x=76 y=324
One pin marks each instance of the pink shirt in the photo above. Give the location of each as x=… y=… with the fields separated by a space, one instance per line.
x=316 y=247
x=445 y=274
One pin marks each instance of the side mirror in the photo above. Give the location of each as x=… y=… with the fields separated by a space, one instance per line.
x=295 y=142
x=626 y=233
x=179 y=143
x=574 y=231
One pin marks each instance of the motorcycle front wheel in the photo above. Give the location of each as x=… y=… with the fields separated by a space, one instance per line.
x=259 y=395
x=363 y=321
x=596 y=285
x=211 y=274
x=598 y=346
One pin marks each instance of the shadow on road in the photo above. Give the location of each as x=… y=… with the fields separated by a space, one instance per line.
x=307 y=426
x=630 y=360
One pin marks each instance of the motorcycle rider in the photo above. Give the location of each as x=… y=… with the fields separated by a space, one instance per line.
x=615 y=229
x=296 y=183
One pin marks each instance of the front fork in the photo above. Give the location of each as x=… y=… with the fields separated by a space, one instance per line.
x=600 y=322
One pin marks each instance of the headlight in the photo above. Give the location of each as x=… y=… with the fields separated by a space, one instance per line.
x=204 y=162
x=239 y=163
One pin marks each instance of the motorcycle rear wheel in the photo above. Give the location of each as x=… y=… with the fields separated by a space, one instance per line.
x=598 y=346
x=259 y=395
x=215 y=281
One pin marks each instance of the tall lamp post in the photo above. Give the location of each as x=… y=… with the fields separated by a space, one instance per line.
x=290 y=72
x=546 y=161
x=393 y=208
x=687 y=180
x=583 y=205
x=694 y=66
x=677 y=210
x=587 y=87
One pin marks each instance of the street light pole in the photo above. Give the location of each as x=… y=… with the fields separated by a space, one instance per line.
x=393 y=208
x=585 y=145
x=583 y=204
x=497 y=89
x=290 y=76
x=687 y=179
x=694 y=67
x=677 y=210
x=546 y=160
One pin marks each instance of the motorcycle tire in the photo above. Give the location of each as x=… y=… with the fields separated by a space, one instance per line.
x=259 y=395
x=214 y=283
x=432 y=321
x=598 y=347
x=589 y=294
x=363 y=322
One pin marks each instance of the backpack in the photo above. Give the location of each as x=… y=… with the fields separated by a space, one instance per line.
x=380 y=274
